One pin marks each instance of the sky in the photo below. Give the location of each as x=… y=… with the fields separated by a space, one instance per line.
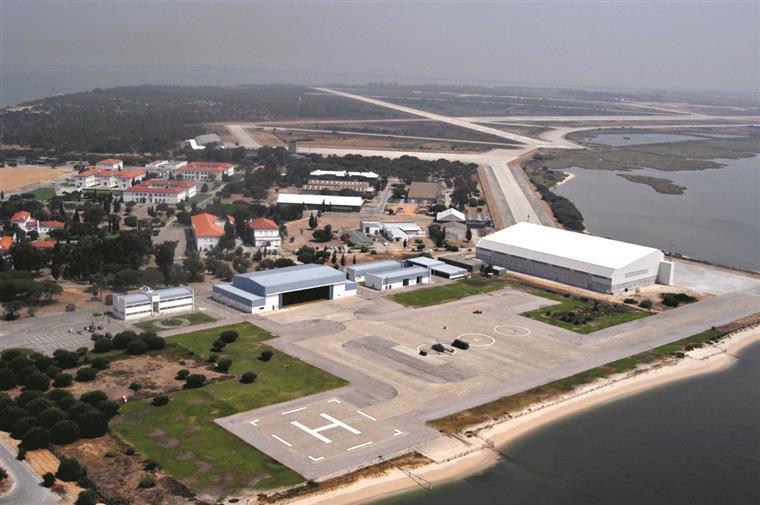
x=627 y=45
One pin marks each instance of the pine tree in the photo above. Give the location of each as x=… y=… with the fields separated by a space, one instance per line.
x=354 y=260
x=468 y=235
x=343 y=260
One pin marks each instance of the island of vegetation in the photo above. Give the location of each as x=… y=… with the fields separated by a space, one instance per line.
x=661 y=185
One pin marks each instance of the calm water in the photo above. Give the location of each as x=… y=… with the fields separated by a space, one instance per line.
x=693 y=442
x=716 y=219
x=632 y=139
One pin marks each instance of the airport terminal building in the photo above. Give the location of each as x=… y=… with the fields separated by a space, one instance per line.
x=576 y=259
x=149 y=303
x=273 y=289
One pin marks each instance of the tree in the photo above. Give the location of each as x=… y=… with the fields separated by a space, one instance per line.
x=194 y=267
x=48 y=479
x=93 y=423
x=343 y=260
x=228 y=336
x=313 y=223
x=195 y=380
x=62 y=380
x=35 y=438
x=164 y=254
x=64 y=432
x=69 y=470
x=160 y=401
x=266 y=355
x=11 y=309
x=354 y=260
x=324 y=234
x=223 y=365
x=50 y=416
x=204 y=188
x=468 y=235
x=87 y=497
x=93 y=397
x=248 y=377
x=86 y=374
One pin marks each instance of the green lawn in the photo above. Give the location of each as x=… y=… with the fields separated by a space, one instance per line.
x=193 y=317
x=607 y=314
x=425 y=297
x=43 y=194
x=182 y=436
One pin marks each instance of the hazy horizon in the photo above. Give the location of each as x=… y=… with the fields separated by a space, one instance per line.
x=644 y=46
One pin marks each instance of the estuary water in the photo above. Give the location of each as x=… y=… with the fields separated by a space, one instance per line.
x=692 y=442
x=717 y=218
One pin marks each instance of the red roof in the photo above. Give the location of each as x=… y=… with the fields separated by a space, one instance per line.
x=43 y=244
x=110 y=161
x=109 y=172
x=205 y=166
x=161 y=186
x=21 y=216
x=6 y=242
x=205 y=225
x=262 y=223
x=52 y=224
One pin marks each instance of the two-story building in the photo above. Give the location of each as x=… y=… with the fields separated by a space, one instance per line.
x=266 y=233
x=160 y=191
x=104 y=178
x=206 y=170
x=208 y=229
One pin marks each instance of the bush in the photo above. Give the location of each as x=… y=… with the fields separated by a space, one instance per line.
x=182 y=374
x=248 y=377
x=137 y=346
x=69 y=470
x=66 y=359
x=94 y=397
x=38 y=405
x=48 y=479
x=88 y=496
x=219 y=343
x=150 y=465
x=21 y=426
x=52 y=371
x=50 y=416
x=228 y=336
x=266 y=355
x=37 y=380
x=195 y=380
x=35 y=438
x=62 y=380
x=223 y=365
x=21 y=456
x=100 y=363
x=147 y=482
x=109 y=407
x=135 y=386
x=154 y=342
x=669 y=300
x=64 y=432
x=121 y=340
x=130 y=451
x=160 y=401
x=631 y=301
x=102 y=344
x=86 y=374
x=645 y=304
x=93 y=424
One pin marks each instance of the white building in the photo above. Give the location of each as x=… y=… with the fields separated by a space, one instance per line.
x=110 y=164
x=331 y=202
x=160 y=191
x=450 y=216
x=394 y=279
x=395 y=232
x=156 y=165
x=576 y=259
x=206 y=170
x=148 y=303
x=358 y=272
x=343 y=173
x=106 y=178
x=208 y=229
x=266 y=233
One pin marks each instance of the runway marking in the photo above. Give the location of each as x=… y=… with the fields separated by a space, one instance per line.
x=358 y=446
x=397 y=432
x=255 y=422
x=281 y=440
x=366 y=415
x=291 y=411
x=316 y=459
x=515 y=331
x=333 y=400
x=334 y=423
x=475 y=343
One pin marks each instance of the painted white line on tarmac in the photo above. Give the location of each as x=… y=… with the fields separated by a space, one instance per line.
x=283 y=441
x=255 y=422
x=291 y=411
x=365 y=444
x=397 y=432
x=366 y=415
x=333 y=400
x=316 y=459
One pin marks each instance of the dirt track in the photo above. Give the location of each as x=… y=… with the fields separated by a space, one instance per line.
x=23 y=176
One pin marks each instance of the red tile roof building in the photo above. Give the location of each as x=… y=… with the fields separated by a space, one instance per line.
x=6 y=242
x=207 y=230
x=98 y=177
x=206 y=170
x=160 y=191
x=266 y=233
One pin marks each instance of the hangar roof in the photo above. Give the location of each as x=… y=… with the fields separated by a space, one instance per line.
x=289 y=279
x=577 y=251
x=374 y=266
x=401 y=273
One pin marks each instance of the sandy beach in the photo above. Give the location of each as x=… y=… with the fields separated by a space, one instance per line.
x=570 y=177
x=699 y=361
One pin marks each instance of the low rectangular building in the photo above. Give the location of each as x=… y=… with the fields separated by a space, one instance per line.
x=438 y=268
x=208 y=230
x=160 y=191
x=576 y=259
x=394 y=279
x=357 y=272
x=206 y=171
x=318 y=185
x=469 y=263
x=274 y=289
x=330 y=202
x=149 y=303
x=426 y=193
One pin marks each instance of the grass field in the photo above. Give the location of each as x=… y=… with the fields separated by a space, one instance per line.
x=182 y=436
x=193 y=317
x=510 y=404
x=607 y=315
x=441 y=294
x=43 y=194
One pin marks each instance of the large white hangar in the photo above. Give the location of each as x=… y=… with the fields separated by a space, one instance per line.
x=273 y=289
x=577 y=259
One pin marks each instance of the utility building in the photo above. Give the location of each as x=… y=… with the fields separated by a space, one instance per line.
x=438 y=268
x=576 y=259
x=274 y=289
x=149 y=302
x=384 y=281
x=357 y=273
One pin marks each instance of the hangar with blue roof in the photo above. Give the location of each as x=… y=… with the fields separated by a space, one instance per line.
x=274 y=289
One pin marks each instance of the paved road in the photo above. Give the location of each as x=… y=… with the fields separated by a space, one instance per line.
x=242 y=136
x=27 y=489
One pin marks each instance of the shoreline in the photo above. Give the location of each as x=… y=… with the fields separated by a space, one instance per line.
x=570 y=177
x=699 y=361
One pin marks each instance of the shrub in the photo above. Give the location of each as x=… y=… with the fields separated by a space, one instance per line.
x=86 y=374
x=130 y=451
x=195 y=380
x=100 y=363
x=645 y=304
x=37 y=380
x=122 y=339
x=669 y=300
x=102 y=344
x=22 y=425
x=63 y=380
x=50 y=416
x=219 y=343
x=150 y=465
x=10 y=415
x=27 y=396
x=223 y=365
x=52 y=371
x=64 y=432
x=88 y=496
x=109 y=407
x=35 y=438
x=182 y=374
x=81 y=351
x=66 y=359
x=631 y=301
x=147 y=482
x=228 y=336
x=135 y=386
x=69 y=470
x=38 y=405
x=266 y=355
x=94 y=397
x=160 y=401
x=248 y=377
x=21 y=456
x=137 y=346
x=48 y=479
x=93 y=424
x=154 y=342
